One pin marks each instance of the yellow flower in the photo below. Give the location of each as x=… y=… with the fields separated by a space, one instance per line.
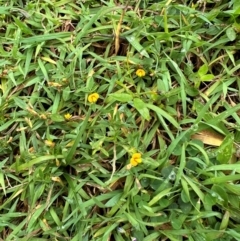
x=93 y=97
x=67 y=116
x=140 y=72
x=136 y=159
x=49 y=143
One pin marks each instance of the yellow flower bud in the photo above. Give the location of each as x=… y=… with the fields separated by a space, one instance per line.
x=140 y=73
x=49 y=143
x=67 y=116
x=93 y=97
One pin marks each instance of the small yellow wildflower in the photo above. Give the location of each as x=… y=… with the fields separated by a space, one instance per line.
x=49 y=143
x=140 y=73
x=93 y=97
x=136 y=159
x=67 y=116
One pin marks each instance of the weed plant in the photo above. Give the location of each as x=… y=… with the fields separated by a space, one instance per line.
x=119 y=120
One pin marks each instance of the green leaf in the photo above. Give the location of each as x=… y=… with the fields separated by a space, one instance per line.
x=35 y=161
x=225 y=167
x=43 y=69
x=222 y=179
x=2 y=182
x=57 y=118
x=221 y=192
x=29 y=55
x=81 y=130
x=194 y=187
x=231 y=34
x=23 y=27
x=163 y=113
x=34 y=217
x=203 y=70
x=177 y=220
x=159 y=196
x=135 y=43
x=207 y=77
x=66 y=93
x=185 y=190
x=45 y=37
x=5 y=10
x=225 y=150
x=142 y=109
x=122 y=97
x=113 y=201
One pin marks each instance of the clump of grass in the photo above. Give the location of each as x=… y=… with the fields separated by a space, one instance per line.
x=119 y=120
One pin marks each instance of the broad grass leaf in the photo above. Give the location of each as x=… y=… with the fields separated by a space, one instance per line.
x=23 y=26
x=141 y=108
x=81 y=130
x=135 y=43
x=233 y=201
x=19 y=102
x=2 y=183
x=122 y=97
x=221 y=179
x=35 y=161
x=163 y=113
x=29 y=54
x=185 y=191
x=45 y=37
x=150 y=237
x=233 y=233
x=225 y=167
x=195 y=188
x=6 y=125
x=132 y=219
x=159 y=196
x=221 y=192
x=113 y=201
x=232 y=188
x=34 y=217
x=57 y=118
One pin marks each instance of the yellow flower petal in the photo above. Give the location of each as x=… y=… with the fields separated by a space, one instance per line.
x=133 y=162
x=93 y=97
x=139 y=160
x=68 y=116
x=136 y=159
x=140 y=73
x=136 y=155
x=49 y=143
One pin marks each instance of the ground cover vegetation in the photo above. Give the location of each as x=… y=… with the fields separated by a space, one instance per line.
x=119 y=120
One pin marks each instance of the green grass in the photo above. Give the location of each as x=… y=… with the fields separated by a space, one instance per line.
x=65 y=162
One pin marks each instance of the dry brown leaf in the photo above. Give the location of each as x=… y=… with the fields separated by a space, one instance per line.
x=209 y=137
